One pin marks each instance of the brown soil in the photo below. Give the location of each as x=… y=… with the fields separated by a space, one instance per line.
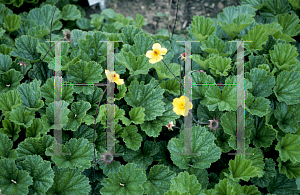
x=148 y=9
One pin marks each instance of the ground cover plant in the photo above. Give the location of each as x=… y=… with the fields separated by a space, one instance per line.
x=150 y=102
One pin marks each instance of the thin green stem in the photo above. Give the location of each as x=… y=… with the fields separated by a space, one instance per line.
x=171 y=72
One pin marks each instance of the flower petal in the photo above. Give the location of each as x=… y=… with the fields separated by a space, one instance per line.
x=177 y=110
x=149 y=54
x=156 y=46
x=163 y=51
x=119 y=81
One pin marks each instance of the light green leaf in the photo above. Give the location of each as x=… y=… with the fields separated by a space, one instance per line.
x=287 y=87
x=41 y=172
x=186 y=183
x=10 y=100
x=290 y=24
x=85 y=72
x=141 y=95
x=83 y=23
x=122 y=90
x=81 y=152
x=143 y=43
x=43 y=16
x=112 y=167
x=110 y=14
x=135 y=65
x=225 y=100
x=10 y=80
x=143 y=158
x=171 y=86
x=9 y=173
x=257 y=106
x=48 y=92
x=12 y=23
x=214 y=45
x=39 y=32
x=137 y=115
x=241 y=169
x=31 y=95
x=70 y=12
x=26 y=25
x=289 y=148
x=22 y=116
x=202 y=27
x=291 y=170
x=93 y=99
x=262 y=83
x=26 y=48
x=203 y=142
x=36 y=129
x=163 y=72
x=274 y=8
x=43 y=49
x=139 y=21
x=284 y=55
x=295 y=4
x=131 y=137
x=131 y=177
x=257 y=4
x=10 y=129
x=4 y=49
x=78 y=111
x=199 y=91
x=69 y=182
x=176 y=192
x=128 y=34
x=228 y=187
x=48 y=118
x=6 y=146
x=288 y=117
x=220 y=66
x=257 y=159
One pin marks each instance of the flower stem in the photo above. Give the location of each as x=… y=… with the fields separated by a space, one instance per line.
x=171 y=72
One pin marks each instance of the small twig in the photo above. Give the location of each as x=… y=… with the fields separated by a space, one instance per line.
x=52 y=21
x=175 y=19
x=45 y=56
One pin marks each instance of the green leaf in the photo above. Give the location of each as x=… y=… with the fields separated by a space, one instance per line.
x=93 y=99
x=274 y=8
x=128 y=34
x=288 y=117
x=38 y=31
x=110 y=14
x=131 y=177
x=225 y=100
x=137 y=115
x=214 y=45
x=140 y=95
x=289 y=148
x=139 y=21
x=135 y=65
x=287 y=87
x=226 y=186
x=241 y=169
x=22 y=116
x=291 y=170
x=171 y=86
x=26 y=48
x=295 y=4
x=200 y=78
x=48 y=118
x=257 y=106
x=43 y=16
x=257 y=160
x=262 y=135
x=283 y=56
x=32 y=146
x=78 y=111
x=10 y=100
x=269 y=171
x=69 y=182
x=10 y=80
x=280 y=184
x=142 y=157
x=220 y=66
x=26 y=25
x=262 y=83
x=257 y=4
x=112 y=116
x=131 y=137
x=6 y=146
x=4 y=49
x=12 y=23
x=10 y=129
x=176 y=192
x=83 y=23
x=41 y=173
x=186 y=183
x=31 y=95
x=122 y=90
x=203 y=142
x=18 y=3
x=97 y=21
x=85 y=132
x=36 y=129
x=84 y=72
x=81 y=152
x=202 y=27
x=43 y=49
x=142 y=44
x=70 y=12
x=10 y=173
x=290 y=24
x=257 y=36
x=48 y=92
x=163 y=72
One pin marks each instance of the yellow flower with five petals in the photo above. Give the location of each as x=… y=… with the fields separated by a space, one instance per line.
x=112 y=76
x=156 y=53
x=179 y=106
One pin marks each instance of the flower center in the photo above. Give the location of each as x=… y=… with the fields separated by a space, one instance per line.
x=182 y=106
x=155 y=52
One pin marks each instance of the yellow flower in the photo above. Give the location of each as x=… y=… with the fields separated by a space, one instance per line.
x=180 y=108
x=156 y=53
x=112 y=76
